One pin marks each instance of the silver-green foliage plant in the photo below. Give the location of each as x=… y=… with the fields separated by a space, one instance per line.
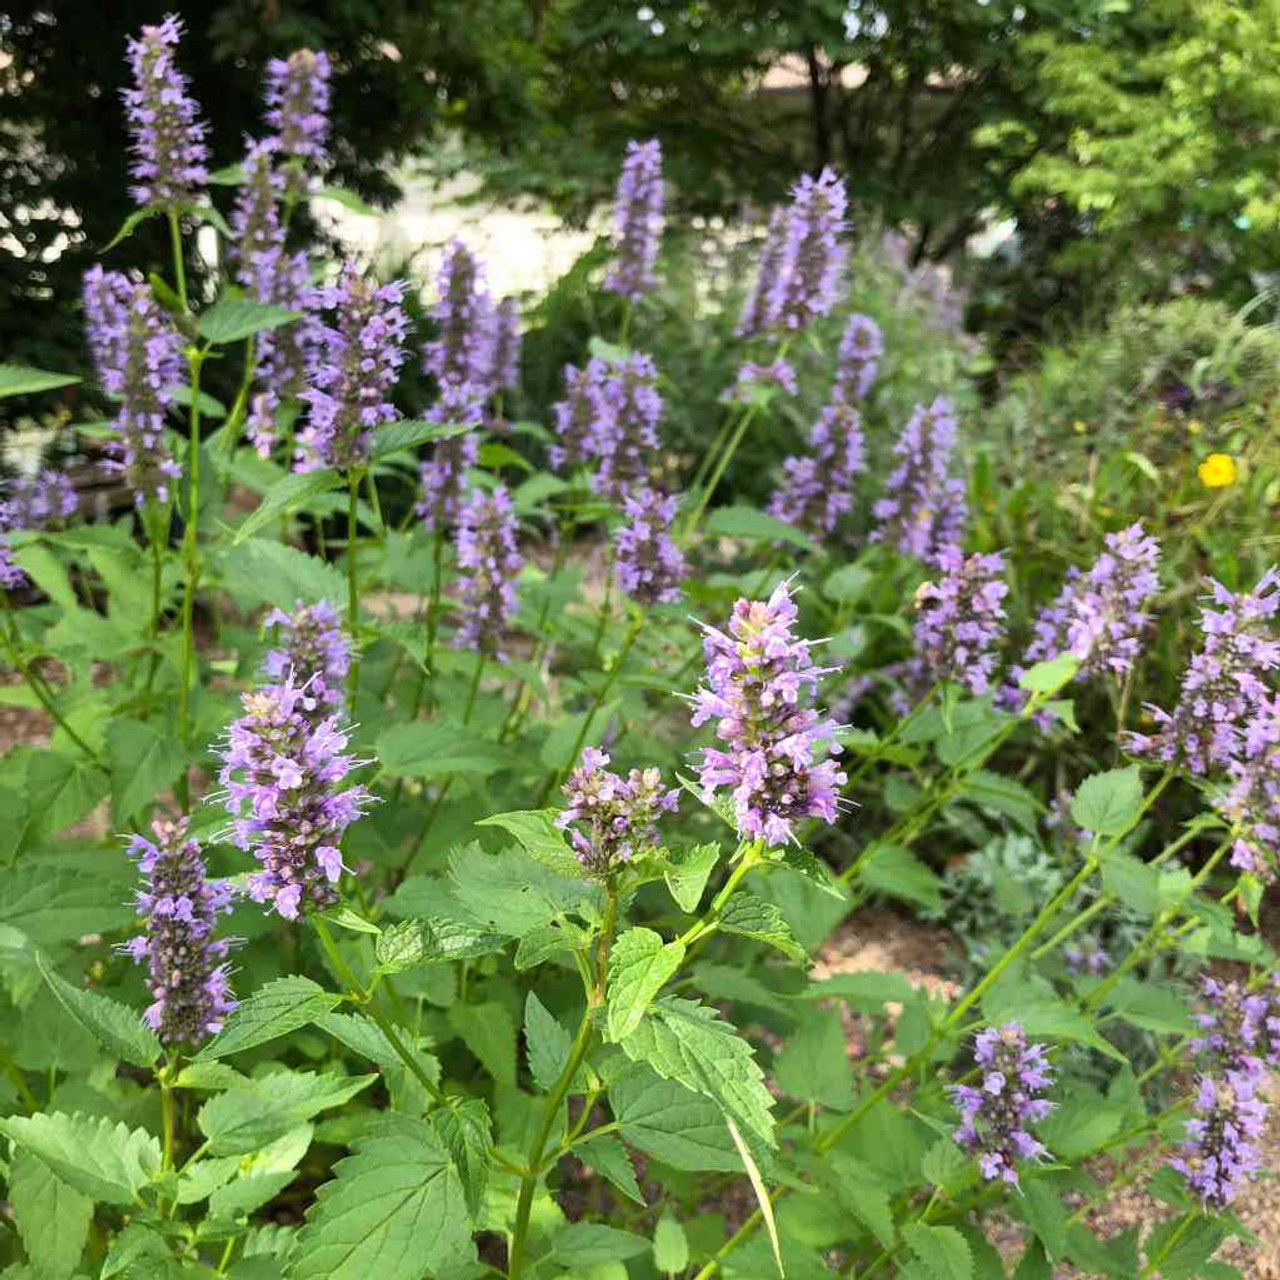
x=395 y=976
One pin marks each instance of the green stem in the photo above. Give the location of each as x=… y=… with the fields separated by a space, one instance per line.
x=167 y=1113
x=353 y=583
x=750 y=857
x=1170 y=1244
x=11 y=644
x=179 y=265
x=152 y=522
x=195 y=359
x=889 y=739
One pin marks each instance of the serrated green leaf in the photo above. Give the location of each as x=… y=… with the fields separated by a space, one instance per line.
x=753 y=917
x=408 y=434
x=688 y=872
x=814 y=1064
x=608 y=1157
x=52 y=903
x=1050 y=676
x=136 y=1244
x=52 y=1218
x=755 y=526
x=416 y=749
x=395 y=1210
x=546 y=941
x=253 y=1114
x=234 y=319
x=295 y=490
x=546 y=1043
x=514 y=895
x=266 y=572
x=143 y=764
x=63 y=789
x=1042 y=1205
x=489 y=1031
x=848 y=584
x=400 y=946
x=942 y=1250
x=272 y=1011
x=687 y=1042
x=639 y=966
x=584 y=1244
x=816 y=873
x=540 y=838
x=1108 y=804
x=897 y=872
x=466 y=1131
x=947 y=1166
x=107 y=1162
x=117 y=1028
x=862 y=1196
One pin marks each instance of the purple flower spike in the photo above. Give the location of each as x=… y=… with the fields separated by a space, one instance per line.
x=464 y=351
x=187 y=967
x=1252 y=801
x=313 y=649
x=812 y=256
x=757 y=311
x=47 y=499
x=858 y=361
x=1223 y=686
x=353 y=373
x=960 y=623
x=1220 y=1152
x=282 y=768
x=779 y=374
x=584 y=419
x=995 y=1116
x=761 y=683
x=168 y=137
x=1240 y=1030
x=506 y=346
x=632 y=392
x=637 y=221
x=256 y=217
x=297 y=99
x=923 y=510
x=443 y=477
x=137 y=353
x=617 y=817
x=650 y=566
x=489 y=562
x=818 y=489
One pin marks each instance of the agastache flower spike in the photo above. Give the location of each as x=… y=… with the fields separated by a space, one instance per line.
x=464 y=351
x=1237 y=1031
x=1224 y=684
x=1252 y=801
x=760 y=684
x=506 y=346
x=758 y=312
x=489 y=562
x=609 y=819
x=649 y=564
x=313 y=648
x=960 y=621
x=36 y=503
x=584 y=419
x=637 y=221
x=922 y=510
x=1220 y=1152
x=858 y=360
x=282 y=768
x=168 y=137
x=632 y=392
x=812 y=255
x=187 y=970
x=779 y=374
x=995 y=1117
x=297 y=98
x=354 y=370
x=137 y=353
x=256 y=217
x=443 y=477
x=818 y=489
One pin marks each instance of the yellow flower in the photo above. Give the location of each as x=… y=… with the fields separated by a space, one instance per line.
x=1193 y=427
x=1079 y=427
x=1217 y=471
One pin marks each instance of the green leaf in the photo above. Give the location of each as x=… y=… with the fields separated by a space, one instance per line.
x=136 y=1244
x=234 y=319
x=1081 y=1123
x=109 y=1163
x=848 y=584
x=15 y=817
x=814 y=1064
x=753 y=917
x=540 y=838
x=546 y=941
x=490 y=1033
x=130 y=224
x=253 y=1114
x=295 y=490
x=1152 y=1007
x=862 y=1195
x=948 y=1167
x=467 y=1134
x=272 y=1011
x=395 y=1211
x=231 y=175
x=671 y=1123
x=1108 y=804
x=546 y=1042
x=348 y=200
x=755 y=526
x=942 y=1250
x=816 y=873
x=434 y=941
x=118 y=1028
x=409 y=434
x=687 y=1042
x=275 y=573
x=1135 y=883
x=1050 y=676
x=53 y=903
x=608 y=1157
x=415 y=749
x=513 y=894
x=209 y=407
x=52 y=1218
x=639 y=966
x=688 y=873
x=22 y=380
x=143 y=764
x=898 y=872
x=62 y=789
x=583 y=1244
x=1042 y=1205
x=867 y=992
x=670 y=1245
x=1004 y=795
